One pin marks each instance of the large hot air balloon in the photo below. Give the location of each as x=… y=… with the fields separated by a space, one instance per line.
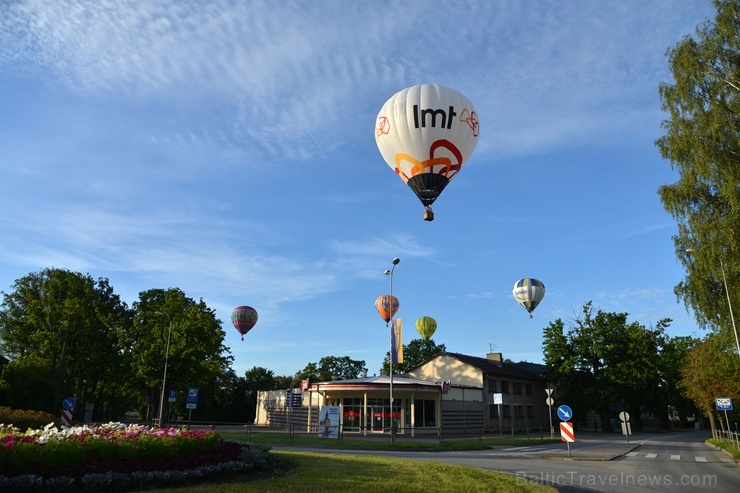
x=387 y=306
x=426 y=133
x=529 y=292
x=243 y=318
x=426 y=326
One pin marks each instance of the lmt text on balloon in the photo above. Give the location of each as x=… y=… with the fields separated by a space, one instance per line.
x=427 y=112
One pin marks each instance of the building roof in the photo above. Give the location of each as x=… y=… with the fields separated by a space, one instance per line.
x=536 y=368
x=501 y=368
x=379 y=382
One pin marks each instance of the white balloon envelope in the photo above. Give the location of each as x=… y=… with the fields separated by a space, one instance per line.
x=529 y=292
x=426 y=133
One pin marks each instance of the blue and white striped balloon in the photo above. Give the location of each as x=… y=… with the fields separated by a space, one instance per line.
x=529 y=292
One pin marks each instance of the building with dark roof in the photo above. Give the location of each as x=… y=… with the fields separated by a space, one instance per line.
x=510 y=395
x=449 y=393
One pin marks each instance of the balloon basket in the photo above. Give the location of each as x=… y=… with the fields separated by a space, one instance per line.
x=428 y=215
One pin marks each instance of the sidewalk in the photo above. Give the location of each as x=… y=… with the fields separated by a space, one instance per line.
x=591 y=446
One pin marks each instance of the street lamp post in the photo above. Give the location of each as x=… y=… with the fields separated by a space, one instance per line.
x=166 y=360
x=389 y=272
x=732 y=317
x=729 y=303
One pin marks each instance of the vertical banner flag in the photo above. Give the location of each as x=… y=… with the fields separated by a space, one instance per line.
x=396 y=341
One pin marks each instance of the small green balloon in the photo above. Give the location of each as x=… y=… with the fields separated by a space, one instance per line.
x=426 y=326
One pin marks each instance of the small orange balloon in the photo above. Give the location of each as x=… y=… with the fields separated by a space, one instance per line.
x=387 y=306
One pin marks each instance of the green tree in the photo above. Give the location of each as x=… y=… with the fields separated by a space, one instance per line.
x=197 y=356
x=68 y=323
x=702 y=143
x=414 y=353
x=670 y=394
x=709 y=373
x=310 y=372
x=603 y=363
x=256 y=379
x=26 y=384
x=331 y=368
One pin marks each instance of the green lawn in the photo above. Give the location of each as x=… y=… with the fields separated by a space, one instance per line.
x=310 y=440
x=322 y=472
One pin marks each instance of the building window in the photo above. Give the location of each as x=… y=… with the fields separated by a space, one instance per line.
x=517 y=387
x=352 y=414
x=424 y=413
x=493 y=411
x=504 y=387
x=505 y=411
x=518 y=411
x=528 y=388
x=530 y=411
x=492 y=386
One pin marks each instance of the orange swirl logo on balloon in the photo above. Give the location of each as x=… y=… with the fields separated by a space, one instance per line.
x=383 y=127
x=471 y=119
x=408 y=166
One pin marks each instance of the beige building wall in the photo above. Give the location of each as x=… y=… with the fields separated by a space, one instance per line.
x=446 y=367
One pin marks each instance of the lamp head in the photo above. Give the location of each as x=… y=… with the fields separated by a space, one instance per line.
x=387 y=272
x=396 y=260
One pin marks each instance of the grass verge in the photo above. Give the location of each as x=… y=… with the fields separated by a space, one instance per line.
x=486 y=442
x=322 y=472
x=726 y=445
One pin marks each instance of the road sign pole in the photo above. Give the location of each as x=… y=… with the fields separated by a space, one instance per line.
x=729 y=431
x=549 y=402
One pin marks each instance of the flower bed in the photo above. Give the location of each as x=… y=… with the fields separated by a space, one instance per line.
x=116 y=456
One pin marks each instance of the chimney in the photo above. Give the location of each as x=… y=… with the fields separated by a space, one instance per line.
x=497 y=358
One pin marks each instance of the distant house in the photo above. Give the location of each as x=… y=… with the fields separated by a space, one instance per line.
x=452 y=392
x=522 y=391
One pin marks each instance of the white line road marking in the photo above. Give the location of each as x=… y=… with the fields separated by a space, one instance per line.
x=651 y=456
x=700 y=459
x=632 y=454
x=675 y=457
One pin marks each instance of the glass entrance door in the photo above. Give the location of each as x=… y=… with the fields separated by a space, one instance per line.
x=379 y=418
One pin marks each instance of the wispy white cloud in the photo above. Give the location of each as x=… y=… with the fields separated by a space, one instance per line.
x=293 y=83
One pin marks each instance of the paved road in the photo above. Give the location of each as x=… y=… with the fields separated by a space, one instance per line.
x=675 y=462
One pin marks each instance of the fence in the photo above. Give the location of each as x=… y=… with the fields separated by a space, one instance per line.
x=424 y=436
x=732 y=436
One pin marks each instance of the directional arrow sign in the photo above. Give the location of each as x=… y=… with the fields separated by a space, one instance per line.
x=564 y=413
x=69 y=403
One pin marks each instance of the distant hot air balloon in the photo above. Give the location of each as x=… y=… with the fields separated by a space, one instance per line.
x=426 y=326
x=529 y=292
x=426 y=133
x=243 y=318
x=387 y=306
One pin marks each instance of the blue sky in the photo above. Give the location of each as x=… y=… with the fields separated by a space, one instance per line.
x=227 y=148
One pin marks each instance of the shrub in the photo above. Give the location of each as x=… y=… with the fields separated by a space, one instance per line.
x=25 y=420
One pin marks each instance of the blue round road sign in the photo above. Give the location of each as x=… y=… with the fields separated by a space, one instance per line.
x=69 y=403
x=564 y=413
